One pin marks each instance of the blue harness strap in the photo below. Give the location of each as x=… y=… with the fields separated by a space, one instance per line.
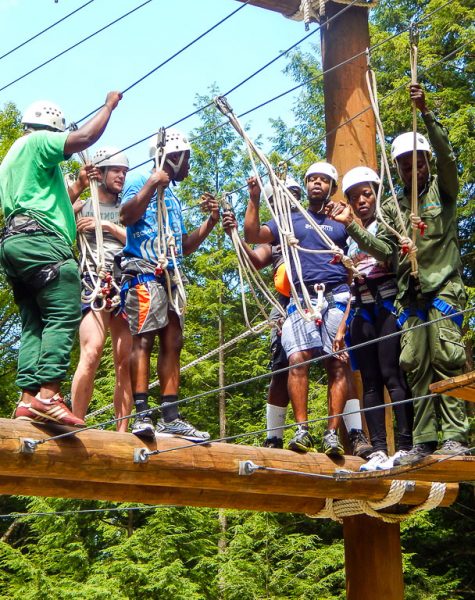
x=411 y=312
x=447 y=309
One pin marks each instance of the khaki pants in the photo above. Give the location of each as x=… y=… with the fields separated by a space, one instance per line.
x=432 y=353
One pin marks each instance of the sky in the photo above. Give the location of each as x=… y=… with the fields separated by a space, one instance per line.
x=114 y=59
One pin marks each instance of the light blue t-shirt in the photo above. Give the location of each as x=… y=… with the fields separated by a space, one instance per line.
x=142 y=236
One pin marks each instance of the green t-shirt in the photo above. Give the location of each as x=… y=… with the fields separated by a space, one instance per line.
x=31 y=182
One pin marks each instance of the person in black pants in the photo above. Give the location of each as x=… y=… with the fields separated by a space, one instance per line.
x=373 y=315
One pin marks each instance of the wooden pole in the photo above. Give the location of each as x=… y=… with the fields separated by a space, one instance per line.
x=370 y=547
x=373 y=559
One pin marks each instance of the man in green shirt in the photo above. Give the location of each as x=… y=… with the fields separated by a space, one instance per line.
x=36 y=252
x=434 y=352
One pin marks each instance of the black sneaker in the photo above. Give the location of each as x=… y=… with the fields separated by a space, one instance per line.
x=302 y=441
x=274 y=442
x=359 y=443
x=452 y=448
x=143 y=427
x=416 y=454
x=331 y=443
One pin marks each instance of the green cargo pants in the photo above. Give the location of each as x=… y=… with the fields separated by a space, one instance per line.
x=49 y=315
x=432 y=353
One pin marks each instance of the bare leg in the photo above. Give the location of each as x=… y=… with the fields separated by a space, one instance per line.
x=298 y=384
x=168 y=367
x=337 y=390
x=122 y=348
x=142 y=346
x=92 y=335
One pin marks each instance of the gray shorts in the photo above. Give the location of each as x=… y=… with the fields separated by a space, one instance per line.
x=298 y=334
x=146 y=306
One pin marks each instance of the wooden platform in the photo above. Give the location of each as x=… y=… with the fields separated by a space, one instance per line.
x=100 y=465
x=462 y=387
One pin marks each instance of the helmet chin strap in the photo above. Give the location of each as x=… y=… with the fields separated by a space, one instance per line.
x=176 y=166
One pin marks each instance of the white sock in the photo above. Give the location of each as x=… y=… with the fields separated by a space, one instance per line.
x=275 y=416
x=352 y=421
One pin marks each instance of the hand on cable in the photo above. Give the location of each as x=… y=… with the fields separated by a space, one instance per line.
x=113 y=99
x=418 y=97
x=229 y=222
x=209 y=204
x=254 y=189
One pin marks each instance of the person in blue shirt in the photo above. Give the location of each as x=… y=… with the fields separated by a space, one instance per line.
x=151 y=278
x=303 y=340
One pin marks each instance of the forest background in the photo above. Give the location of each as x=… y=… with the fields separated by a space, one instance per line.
x=130 y=552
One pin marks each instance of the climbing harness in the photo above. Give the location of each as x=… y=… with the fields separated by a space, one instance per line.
x=162 y=145
x=280 y=209
x=247 y=271
x=422 y=313
x=99 y=289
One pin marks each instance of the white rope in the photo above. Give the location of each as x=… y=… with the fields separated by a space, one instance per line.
x=281 y=210
x=407 y=247
x=337 y=510
x=97 y=284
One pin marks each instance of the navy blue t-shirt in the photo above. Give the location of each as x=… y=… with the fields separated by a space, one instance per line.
x=316 y=268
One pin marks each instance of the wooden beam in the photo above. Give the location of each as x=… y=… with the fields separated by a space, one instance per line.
x=285 y=7
x=373 y=560
x=149 y=494
x=462 y=386
x=108 y=457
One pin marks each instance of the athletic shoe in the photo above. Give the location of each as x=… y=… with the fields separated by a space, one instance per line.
x=389 y=464
x=359 y=443
x=23 y=412
x=331 y=443
x=452 y=447
x=183 y=429
x=374 y=459
x=143 y=426
x=416 y=454
x=274 y=442
x=53 y=410
x=302 y=441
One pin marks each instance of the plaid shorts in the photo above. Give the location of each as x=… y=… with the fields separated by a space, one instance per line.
x=298 y=334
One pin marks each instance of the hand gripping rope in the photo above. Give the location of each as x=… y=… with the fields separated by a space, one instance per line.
x=98 y=283
x=249 y=272
x=280 y=209
x=417 y=223
x=407 y=245
x=166 y=244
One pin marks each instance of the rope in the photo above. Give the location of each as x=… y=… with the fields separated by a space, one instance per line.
x=74 y=46
x=337 y=510
x=45 y=30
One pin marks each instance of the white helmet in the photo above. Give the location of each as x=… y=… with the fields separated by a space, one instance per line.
x=322 y=168
x=175 y=141
x=45 y=114
x=109 y=156
x=290 y=184
x=404 y=143
x=359 y=175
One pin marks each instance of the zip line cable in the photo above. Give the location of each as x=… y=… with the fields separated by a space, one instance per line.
x=202 y=35
x=45 y=30
x=74 y=45
x=292 y=89
x=315 y=360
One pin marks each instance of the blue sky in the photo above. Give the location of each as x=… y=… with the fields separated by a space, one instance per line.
x=115 y=58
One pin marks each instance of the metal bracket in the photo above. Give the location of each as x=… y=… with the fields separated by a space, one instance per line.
x=28 y=446
x=414 y=34
x=410 y=486
x=140 y=455
x=247 y=467
x=225 y=203
x=223 y=105
x=342 y=474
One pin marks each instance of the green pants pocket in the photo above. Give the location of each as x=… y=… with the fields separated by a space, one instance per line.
x=449 y=351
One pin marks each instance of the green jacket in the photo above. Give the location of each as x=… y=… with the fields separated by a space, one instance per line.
x=438 y=254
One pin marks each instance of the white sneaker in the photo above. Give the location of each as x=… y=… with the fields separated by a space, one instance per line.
x=374 y=459
x=389 y=464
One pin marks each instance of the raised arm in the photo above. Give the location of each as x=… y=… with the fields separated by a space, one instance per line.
x=192 y=241
x=92 y=130
x=134 y=207
x=261 y=256
x=254 y=232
